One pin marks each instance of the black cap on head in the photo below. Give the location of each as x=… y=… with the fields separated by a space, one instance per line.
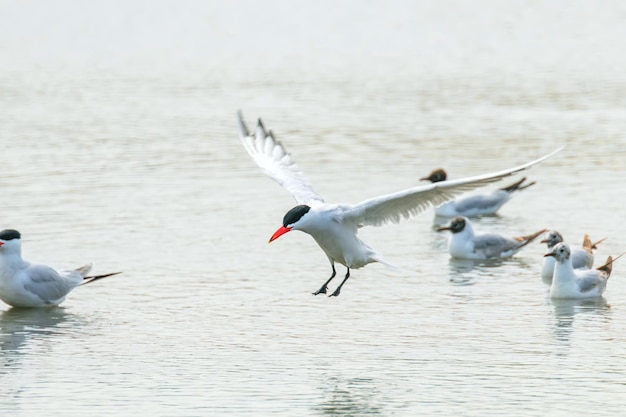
x=295 y=214
x=457 y=225
x=10 y=234
x=437 y=175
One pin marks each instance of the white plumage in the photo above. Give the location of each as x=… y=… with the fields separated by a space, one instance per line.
x=23 y=284
x=334 y=226
x=477 y=204
x=581 y=256
x=467 y=244
x=568 y=282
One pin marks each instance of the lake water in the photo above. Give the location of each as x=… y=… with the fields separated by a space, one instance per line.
x=119 y=146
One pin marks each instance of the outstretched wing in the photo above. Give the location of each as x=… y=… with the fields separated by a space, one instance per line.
x=404 y=204
x=271 y=156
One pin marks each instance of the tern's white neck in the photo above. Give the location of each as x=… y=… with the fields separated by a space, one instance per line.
x=11 y=255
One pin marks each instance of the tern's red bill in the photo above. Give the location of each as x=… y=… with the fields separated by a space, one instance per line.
x=281 y=231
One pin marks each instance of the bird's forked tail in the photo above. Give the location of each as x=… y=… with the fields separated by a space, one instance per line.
x=93 y=278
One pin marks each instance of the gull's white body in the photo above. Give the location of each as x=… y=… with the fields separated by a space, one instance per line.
x=467 y=244
x=474 y=205
x=581 y=258
x=568 y=282
x=334 y=226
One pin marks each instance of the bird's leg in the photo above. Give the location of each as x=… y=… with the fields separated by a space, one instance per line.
x=338 y=290
x=324 y=287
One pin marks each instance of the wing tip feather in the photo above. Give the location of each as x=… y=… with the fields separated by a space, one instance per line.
x=243 y=129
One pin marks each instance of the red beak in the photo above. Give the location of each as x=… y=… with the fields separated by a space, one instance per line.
x=281 y=231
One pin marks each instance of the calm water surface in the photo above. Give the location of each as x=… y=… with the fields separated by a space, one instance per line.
x=119 y=146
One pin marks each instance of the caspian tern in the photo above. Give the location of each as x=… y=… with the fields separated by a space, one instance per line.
x=466 y=244
x=334 y=226
x=581 y=256
x=474 y=205
x=23 y=284
x=577 y=283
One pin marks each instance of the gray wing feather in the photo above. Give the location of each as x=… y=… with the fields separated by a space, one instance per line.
x=494 y=245
x=404 y=204
x=590 y=280
x=48 y=284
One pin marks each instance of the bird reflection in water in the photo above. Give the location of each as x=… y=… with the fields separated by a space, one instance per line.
x=468 y=271
x=19 y=326
x=350 y=397
x=565 y=311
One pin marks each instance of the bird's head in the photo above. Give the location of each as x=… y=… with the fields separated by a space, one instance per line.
x=457 y=225
x=552 y=238
x=291 y=220
x=437 y=175
x=10 y=241
x=560 y=252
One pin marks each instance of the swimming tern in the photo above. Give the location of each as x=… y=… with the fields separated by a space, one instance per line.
x=475 y=205
x=568 y=282
x=334 y=226
x=581 y=256
x=23 y=284
x=467 y=244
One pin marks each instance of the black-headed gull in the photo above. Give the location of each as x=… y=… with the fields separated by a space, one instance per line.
x=334 y=226
x=581 y=256
x=568 y=282
x=23 y=284
x=478 y=204
x=466 y=244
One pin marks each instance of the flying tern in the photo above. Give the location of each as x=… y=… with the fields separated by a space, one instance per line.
x=475 y=205
x=334 y=226
x=23 y=284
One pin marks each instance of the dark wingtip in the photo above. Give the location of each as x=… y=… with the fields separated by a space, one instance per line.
x=595 y=244
x=516 y=186
x=92 y=278
x=243 y=129
x=523 y=187
x=608 y=266
x=261 y=126
x=525 y=240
